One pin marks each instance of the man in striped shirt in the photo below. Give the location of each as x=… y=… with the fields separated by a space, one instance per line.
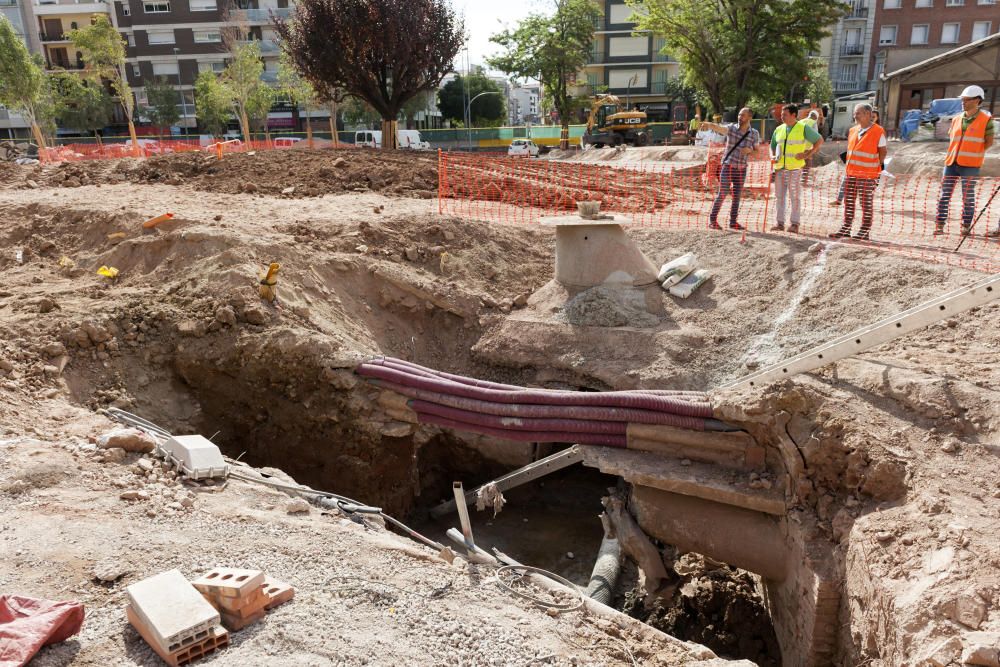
x=741 y=141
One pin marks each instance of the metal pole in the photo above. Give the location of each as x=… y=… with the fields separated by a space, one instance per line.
x=180 y=91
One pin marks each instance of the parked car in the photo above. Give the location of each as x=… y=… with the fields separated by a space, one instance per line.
x=286 y=142
x=523 y=148
x=405 y=139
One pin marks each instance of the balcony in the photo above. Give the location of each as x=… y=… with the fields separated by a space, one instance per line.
x=265 y=45
x=50 y=67
x=857 y=11
x=52 y=37
x=269 y=77
x=852 y=50
x=595 y=58
x=663 y=58
x=847 y=85
x=8 y=3
x=261 y=15
x=57 y=7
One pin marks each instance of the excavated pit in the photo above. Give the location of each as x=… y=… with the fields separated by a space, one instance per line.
x=183 y=340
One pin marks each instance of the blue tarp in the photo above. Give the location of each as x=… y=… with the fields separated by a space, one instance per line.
x=949 y=106
x=912 y=119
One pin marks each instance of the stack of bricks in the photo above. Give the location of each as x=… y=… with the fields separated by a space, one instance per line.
x=174 y=619
x=242 y=596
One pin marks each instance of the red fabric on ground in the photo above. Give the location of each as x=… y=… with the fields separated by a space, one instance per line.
x=28 y=624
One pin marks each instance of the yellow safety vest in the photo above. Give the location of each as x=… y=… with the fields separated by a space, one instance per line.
x=791 y=142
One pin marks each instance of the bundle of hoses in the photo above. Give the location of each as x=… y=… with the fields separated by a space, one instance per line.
x=536 y=415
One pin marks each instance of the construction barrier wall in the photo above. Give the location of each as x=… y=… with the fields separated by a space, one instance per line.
x=521 y=191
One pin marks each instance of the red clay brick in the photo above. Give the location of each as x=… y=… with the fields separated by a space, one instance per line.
x=229 y=582
x=235 y=623
x=277 y=591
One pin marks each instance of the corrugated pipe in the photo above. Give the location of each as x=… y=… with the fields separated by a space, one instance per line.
x=623 y=415
x=520 y=423
x=417 y=369
x=604 y=578
x=525 y=436
x=622 y=399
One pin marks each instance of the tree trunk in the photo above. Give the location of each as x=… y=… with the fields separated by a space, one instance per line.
x=245 y=126
x=564 y=134
x=100 y=144
x=309 y=132
x=334 y=112
x=136 y=149
x=389 y=139
x=40 y=140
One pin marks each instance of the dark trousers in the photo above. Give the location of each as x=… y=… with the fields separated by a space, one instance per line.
x=732 y=176
x=952 y=174
x=853 y=186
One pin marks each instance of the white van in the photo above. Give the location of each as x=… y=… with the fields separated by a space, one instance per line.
x=406 y=139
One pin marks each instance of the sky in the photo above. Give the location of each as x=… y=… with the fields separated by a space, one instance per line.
x=487 y=17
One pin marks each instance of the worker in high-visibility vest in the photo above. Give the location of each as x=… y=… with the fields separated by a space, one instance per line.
x=971 y=135
x=792 y=143
x=866 y=148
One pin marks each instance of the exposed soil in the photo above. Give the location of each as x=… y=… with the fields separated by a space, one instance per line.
x=292 y=173
x=898 y=446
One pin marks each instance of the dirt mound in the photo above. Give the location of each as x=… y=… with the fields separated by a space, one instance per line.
x=291 y=173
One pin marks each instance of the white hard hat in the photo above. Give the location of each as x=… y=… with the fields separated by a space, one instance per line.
x=973 y=91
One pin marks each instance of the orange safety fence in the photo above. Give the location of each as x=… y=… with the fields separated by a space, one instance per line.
x=152 y=147
x=903 y=220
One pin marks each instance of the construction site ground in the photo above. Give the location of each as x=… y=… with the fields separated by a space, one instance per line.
x=901 y=444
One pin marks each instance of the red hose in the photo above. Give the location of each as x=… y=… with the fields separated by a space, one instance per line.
x=526 y=436
x=537 y=396
x=520 y=423
x=598 y=413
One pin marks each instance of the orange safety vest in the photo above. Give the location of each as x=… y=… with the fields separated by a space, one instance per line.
x=967 y=149
x=862 y=154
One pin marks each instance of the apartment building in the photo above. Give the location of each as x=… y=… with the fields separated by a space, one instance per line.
x=525 y=105
x=627 y=64
x=850 y=48
x=11 y=125
x=911 y=31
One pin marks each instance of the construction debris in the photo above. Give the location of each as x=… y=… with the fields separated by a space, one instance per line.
x=28 y=624
x=238 y=595
x=690 y=283
x=173 y=618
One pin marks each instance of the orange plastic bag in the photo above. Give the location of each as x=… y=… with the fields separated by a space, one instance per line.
x=28 y=624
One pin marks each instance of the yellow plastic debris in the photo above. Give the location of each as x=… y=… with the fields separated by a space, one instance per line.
x=108 y=272
x=66 y=263
x=269 y=283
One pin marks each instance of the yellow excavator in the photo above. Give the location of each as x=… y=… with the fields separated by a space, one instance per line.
x=611 y=124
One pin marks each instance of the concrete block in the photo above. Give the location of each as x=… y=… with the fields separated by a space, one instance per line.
x=278 y=592
x=215 y=638
x=196 y=456
x=172 y=609
x=229 y=582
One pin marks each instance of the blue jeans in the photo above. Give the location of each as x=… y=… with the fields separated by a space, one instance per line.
x=953 y=173
x=732 y=176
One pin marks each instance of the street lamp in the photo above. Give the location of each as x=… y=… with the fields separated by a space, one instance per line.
x=468 y=112
x=180 y=83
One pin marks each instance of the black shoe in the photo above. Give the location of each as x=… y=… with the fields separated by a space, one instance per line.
x=966 y=230
x=938 y=230
x=735 y=225
x=714 y=225
x=840 y=234
x=862 y=236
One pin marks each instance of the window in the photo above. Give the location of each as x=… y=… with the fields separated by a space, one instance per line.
x=216 y=67
x=203 y=5
x=207 y=36
x=954 y=3
x=987 y=2
x=949 y=33
x=131 y=39
x=160 y=37
x=893 y=4
x=156 y=7
x=165 y=69
x=981 y=29
x=920 y=34
x=849 y=72
x=879 y=69
x=135 y=71
x=126 y=10
x=924 y=3
x=887 y=36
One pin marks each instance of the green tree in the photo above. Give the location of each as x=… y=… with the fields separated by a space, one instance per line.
x=257 y=107
x=487 y=110
x=104 y=58
x=23 y=85
x=242 y=79
x=738 y=49
x=163 y=100
x=381 y=51
x=359 y=112
x=212 y=104
x=299 y=92
x=82 y=104
x=554 y=48
x=819 y=88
